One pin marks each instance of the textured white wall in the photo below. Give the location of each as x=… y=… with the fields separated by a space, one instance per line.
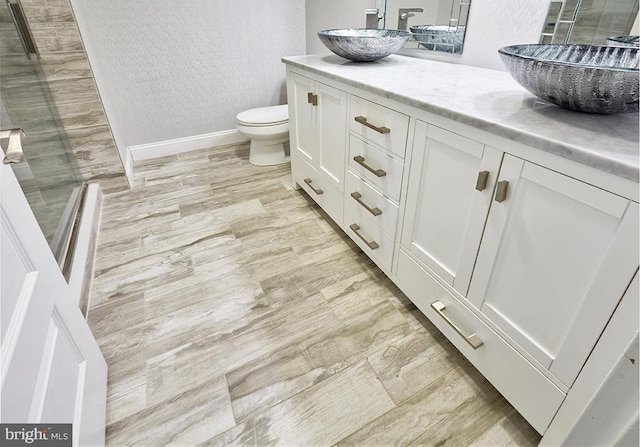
x=497 y=23
x=170 y=69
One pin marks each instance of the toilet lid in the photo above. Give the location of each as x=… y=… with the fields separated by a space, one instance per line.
x=264 y=116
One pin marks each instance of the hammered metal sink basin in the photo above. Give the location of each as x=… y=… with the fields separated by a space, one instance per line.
x=363 y=45
x=584 y=78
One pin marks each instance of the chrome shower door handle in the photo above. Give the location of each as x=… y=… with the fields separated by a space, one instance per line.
x=14 y=152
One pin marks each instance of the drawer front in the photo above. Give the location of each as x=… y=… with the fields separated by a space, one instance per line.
x=369 y=237
x=530 y=392
x=317 y=188
x=379 y=169
x=384 y=126
x=376 y=207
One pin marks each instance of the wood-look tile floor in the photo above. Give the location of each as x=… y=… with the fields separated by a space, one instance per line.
x=232 y=311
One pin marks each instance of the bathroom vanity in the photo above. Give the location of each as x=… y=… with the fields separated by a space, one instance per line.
x=511 y=224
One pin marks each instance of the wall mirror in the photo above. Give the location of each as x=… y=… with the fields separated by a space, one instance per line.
x=589 y=21
x=437 y=25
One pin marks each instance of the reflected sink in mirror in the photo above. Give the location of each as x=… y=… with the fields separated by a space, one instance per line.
x=449 y=39
x=584 y=78
x=363 y=45
x=624 y=41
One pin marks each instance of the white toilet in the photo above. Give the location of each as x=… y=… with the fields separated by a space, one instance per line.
x=268 y=130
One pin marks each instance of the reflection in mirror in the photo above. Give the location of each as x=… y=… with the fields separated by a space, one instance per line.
x=589 y=21
x=437 y=25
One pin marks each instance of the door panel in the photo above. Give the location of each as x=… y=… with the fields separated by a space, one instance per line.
x=547 y=248
x=52 y=368
x=446 y=212
x=332 y=115
x=304 y=143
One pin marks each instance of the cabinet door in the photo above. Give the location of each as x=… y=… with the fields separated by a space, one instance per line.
x=331 y=128
x=446 y=207
x=556 y=256
x=303 y=141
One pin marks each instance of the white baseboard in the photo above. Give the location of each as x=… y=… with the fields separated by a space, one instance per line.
x=128 y=168
x=180 y=145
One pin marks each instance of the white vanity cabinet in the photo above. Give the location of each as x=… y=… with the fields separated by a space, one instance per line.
x=317 y=114
x=519 y=256
x=536 y=263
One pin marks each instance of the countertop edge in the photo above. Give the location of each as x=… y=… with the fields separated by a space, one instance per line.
x=628 y=171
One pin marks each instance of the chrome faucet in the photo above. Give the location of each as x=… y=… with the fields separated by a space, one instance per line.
x=404 y=14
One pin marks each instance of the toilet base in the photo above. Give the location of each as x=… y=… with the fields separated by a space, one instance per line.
x=268 y=152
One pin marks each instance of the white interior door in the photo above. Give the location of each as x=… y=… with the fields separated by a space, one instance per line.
x=52 y=369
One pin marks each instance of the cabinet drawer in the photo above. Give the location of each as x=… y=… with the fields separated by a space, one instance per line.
x=376 y=207
x=384 y=126
x=373 y=241
x=319 y=190
x=388 y=171
x=530 y=392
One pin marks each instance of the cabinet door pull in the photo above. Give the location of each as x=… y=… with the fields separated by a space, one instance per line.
x=483 y=179
x=358 y=198
x=472 y=339
x=318 y=191
x=356 y=230
x=312 y=99
x=377 y=172
x=362 y=120
x=501 y=191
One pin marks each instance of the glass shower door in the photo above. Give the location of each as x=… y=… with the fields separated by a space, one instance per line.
x=48 y=177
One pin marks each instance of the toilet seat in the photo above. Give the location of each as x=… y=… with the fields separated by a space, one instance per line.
x=264 y=116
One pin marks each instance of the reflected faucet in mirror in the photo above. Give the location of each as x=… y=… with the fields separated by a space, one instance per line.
x=373 y=16
x=404 y=14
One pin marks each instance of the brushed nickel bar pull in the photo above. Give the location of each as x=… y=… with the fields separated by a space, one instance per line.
x=473 y=340
x=362 y=120
x=377 y=172
x=14 y=152
x=312 y=99
x=22 y=26
x=318 y=191
x=501 y=191
x=356 y=230
x=483 y=179
x=358 y=198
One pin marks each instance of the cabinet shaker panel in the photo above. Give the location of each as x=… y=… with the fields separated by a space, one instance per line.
x=332 y=134
x=302 y=131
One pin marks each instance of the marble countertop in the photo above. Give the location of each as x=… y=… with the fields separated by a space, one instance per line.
x=492 y=101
